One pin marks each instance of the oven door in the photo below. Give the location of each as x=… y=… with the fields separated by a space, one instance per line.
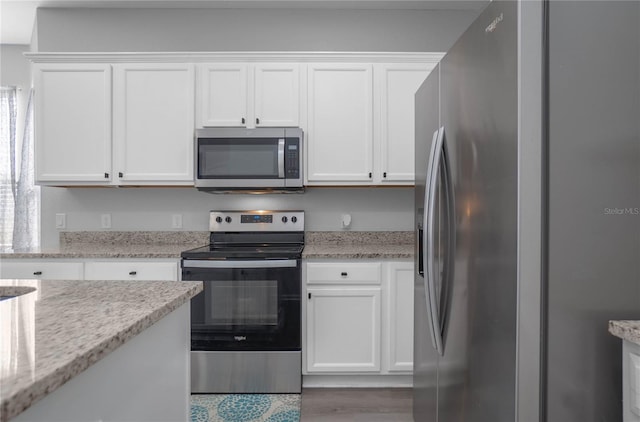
x=245 y=305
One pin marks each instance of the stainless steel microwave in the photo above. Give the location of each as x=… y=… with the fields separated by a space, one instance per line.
x=249 y=159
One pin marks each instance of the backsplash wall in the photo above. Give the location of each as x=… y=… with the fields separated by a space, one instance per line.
x=372 y=209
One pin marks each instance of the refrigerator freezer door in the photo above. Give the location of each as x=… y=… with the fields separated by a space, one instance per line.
x=476 y=374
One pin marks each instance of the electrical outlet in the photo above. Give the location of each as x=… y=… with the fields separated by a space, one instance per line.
x=61 y=221
x=105 y=221
x=176 y=221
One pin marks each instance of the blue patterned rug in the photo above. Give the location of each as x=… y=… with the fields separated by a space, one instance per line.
x=245 y=407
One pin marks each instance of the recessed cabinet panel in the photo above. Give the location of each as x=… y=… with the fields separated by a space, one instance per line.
x=72 y=123
x=400 y=300
x=154 y=123
x=343 y=330
x=222 y=90
x=398 y=87
x=277 y=95
x=340 y=120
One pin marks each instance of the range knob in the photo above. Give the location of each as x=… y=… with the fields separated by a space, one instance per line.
x=218 y=219
x=284 y=219
x=294 y=219
x=228 y=219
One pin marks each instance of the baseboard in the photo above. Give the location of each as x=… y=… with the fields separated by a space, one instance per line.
x=357 y=381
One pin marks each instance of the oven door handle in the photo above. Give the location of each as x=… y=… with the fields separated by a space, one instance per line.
x=267 y=263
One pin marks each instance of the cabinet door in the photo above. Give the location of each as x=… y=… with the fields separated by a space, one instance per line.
x=398 y=86
x=400 y=328
x=131 y=270
x=222 y=92
x=41 y=269
x=343 y=330
x=340 y=112
x=154 y=123
x=72 y=123
x=277 y=95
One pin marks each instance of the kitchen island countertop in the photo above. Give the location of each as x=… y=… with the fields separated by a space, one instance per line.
x=626 y=329
x=61 y=328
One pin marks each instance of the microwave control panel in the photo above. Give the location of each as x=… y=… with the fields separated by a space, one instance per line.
x=292 y=158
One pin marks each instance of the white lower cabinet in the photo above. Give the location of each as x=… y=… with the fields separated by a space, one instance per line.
x=37 y=269
x=359 y=319
x=85 y=269
x=131 y=270
x=343 y=329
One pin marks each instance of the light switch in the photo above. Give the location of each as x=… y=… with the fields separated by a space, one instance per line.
x=61 y=221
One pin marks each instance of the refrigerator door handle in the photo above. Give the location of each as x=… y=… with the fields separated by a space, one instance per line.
x=448 y=267
x=428 y=241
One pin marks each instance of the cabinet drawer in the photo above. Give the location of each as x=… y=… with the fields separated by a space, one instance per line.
x=131 y=270
x=41 y=270
x=343 y=273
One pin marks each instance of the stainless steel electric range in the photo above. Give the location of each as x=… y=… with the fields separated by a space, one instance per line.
x=245 y=324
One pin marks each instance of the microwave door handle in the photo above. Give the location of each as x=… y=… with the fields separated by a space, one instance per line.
x=281 y=158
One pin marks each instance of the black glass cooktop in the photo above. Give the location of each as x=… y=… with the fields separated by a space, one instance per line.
x=260 y=251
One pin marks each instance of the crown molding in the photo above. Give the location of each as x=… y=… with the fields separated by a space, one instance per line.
x=235 y=56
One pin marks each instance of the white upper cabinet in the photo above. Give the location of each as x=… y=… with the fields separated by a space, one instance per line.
x=222 y=95
x=340 y=123
x=397 y=85
x=247 y=95
x=277 y=95
x=153 y=123
x=72 y=123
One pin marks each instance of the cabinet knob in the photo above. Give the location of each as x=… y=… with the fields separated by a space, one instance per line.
x=106 y=175
x=133 y=272
x=309 y=296
x=120 y=174
x=344 y=274
x=37 y=273
x=370 y=175
x=257 y=121
x=243 y=120
x=384 y=174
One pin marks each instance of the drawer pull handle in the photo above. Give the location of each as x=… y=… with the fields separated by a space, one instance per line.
x=344 y=274
x=133 y=272
x=37 y=273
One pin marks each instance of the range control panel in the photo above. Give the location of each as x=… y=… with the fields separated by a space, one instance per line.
x=258 y=220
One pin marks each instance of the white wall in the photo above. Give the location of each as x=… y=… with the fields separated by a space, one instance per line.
x=249 y=29
x=130 y=29
x=152 y=208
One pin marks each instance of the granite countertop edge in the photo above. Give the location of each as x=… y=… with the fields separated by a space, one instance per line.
x=628 y=330
x=24 y=398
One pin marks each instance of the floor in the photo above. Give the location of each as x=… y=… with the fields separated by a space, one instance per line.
x=356 y=405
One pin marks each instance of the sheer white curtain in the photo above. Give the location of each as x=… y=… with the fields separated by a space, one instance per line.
x=19 y=197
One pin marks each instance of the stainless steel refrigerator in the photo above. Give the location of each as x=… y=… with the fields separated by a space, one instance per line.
x=527 y=214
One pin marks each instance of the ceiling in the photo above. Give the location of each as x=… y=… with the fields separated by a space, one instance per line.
x=17 y=17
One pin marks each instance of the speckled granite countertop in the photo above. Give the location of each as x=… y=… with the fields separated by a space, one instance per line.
x=112 y=244
x=63 y=327
x=358 y=245
x=142 y=245
x=626 y=330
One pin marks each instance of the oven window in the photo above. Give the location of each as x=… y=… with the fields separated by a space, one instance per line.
x=242 y=303
x=228 y=160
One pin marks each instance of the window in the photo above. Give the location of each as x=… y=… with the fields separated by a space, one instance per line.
x=19 y=197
